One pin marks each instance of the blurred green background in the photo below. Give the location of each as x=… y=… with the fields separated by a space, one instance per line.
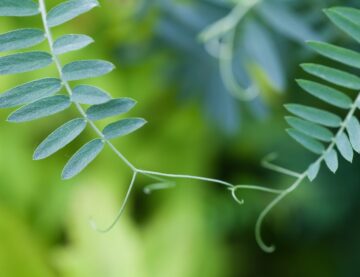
x=195 y=127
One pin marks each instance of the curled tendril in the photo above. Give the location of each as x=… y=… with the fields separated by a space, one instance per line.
x=219 y=41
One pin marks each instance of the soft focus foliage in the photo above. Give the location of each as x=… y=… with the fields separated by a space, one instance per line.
x=195 y=127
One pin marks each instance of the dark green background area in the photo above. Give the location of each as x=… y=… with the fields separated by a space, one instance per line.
x=195 y=127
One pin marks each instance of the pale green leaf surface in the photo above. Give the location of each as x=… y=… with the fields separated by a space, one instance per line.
x=340 y=54
x=68 y=43
x=60 y=138
x=331 y=160
x=314 y=115
x=30 y=92
x=326 y=94
x=110 y=108
x=123 y=127
x=344 y=146
x=313 y=171
x=24 y=62
x=20 y=39
x=309 y=143
x=90 y=95
x=18 y=8
x=346 y=19
x=40 y=108
x=69 y=10
x=82 y=158
x=86 y=69
x=334 y=76
x=311 y=129
x=353 y=129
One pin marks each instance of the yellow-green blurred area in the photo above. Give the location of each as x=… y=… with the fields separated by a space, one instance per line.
x=195 y=127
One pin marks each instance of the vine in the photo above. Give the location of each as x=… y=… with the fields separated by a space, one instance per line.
x=40 y=99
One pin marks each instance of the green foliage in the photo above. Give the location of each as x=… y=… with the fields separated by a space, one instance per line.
x=347 y=20
x=41 y=98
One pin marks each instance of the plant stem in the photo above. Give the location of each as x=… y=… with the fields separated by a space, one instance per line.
x=300 y=179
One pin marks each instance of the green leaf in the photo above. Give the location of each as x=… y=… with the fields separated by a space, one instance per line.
x=86 y=69
x=110 y=108
x=346 y=19
x=340 y=54
x=344 y=147
x=68 y=43
x=89 y=95
x=82 y=158
x=334 y=76
x=123 y=127
x=331 y=160
x=313 y=171
x=60 y=138
x=326 y=94
x=352 y=14
x=24 y=62
x=68 y=10
x=353 y=129
x=40 y=108
x=314 y=115
x=311 y=129
x=30 y=92
x=18 y=8
x=309 y=143
x=20 y=39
